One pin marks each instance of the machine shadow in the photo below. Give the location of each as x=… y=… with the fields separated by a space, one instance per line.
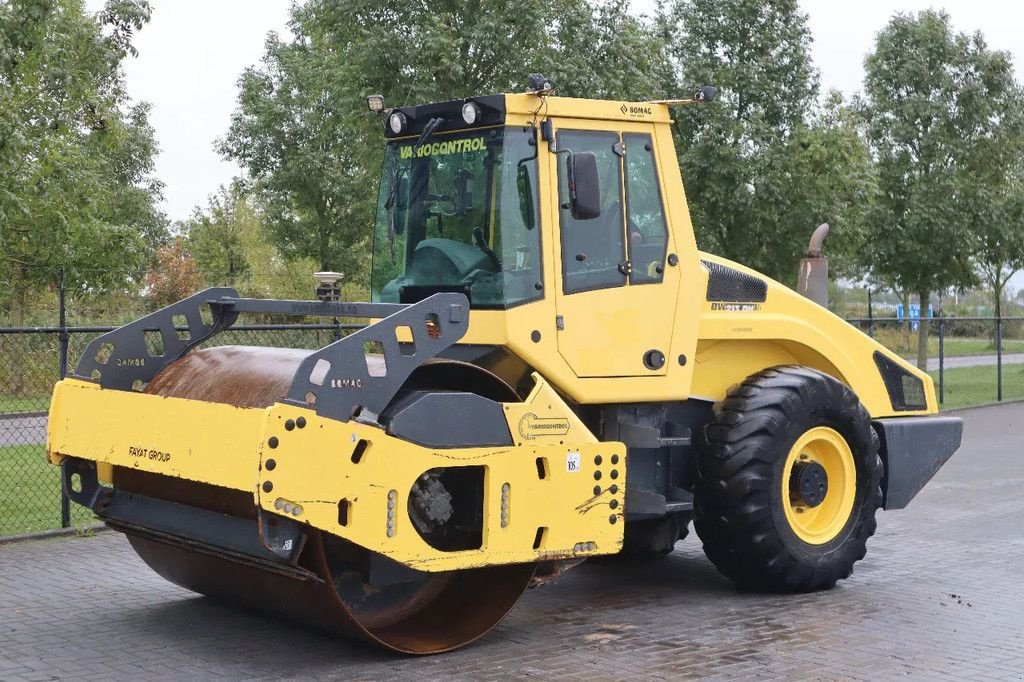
x=211 y=630
x=682 y=569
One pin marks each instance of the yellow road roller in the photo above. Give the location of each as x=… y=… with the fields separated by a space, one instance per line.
x=549 y=371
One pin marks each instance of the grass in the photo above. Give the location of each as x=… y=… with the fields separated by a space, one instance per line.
x=966 y=386
x=974 y=346
x=30 y=492
x=10 y=404
x=952 y=346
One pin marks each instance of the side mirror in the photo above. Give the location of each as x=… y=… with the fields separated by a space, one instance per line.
x=525 y=191
x=401 y=210
x=584 y=186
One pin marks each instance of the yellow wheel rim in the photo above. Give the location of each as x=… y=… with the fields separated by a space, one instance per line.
x=822 y=522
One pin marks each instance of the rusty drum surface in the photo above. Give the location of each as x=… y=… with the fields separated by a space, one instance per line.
x=415 y=613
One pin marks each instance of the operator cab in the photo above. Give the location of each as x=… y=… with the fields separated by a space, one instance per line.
x=457 y=207
x=533 y=199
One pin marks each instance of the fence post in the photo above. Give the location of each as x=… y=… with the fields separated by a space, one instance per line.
x=999 y=358
x=871 y=317
x=942 y=357
x=62 y=338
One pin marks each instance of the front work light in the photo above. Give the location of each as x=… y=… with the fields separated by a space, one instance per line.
x=375 y=103
x=470 y=113
x=397 y=122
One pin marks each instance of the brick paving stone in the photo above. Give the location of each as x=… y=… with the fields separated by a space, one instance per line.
x=939 y=596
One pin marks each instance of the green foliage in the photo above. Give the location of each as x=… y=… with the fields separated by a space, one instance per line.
x=230 y=245
x=998 y=222
x=764 y=165
x=933 y=101
x=297 y=134
x=937 y=106
x=604 y=51
x=823 y=173
x=76 y=157
x=313 y=152
x=422 y=52
x=218 y=236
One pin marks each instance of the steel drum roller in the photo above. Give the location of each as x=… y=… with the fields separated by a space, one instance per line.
x=416 y=613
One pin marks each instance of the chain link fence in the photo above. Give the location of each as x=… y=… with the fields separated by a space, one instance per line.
x=31 y=362
x=973 y=361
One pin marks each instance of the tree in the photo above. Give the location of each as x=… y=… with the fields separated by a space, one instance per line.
x=604 y=51
x=217 y=237
x=76 y=156
x=229 y=242
x=172 y=276
x=301 y=130
x=296 y=133
x=763 y=164
x=996 y=197
x=934 y=102
x=999 y=236
x=823 y=173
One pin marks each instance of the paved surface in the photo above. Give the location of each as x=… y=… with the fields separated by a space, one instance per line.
x=22 y=430
x=940 y=596
x=954 y=361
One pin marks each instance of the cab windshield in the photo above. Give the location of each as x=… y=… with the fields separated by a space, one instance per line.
x=459 y=214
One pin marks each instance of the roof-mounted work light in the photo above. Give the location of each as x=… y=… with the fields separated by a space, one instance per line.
x=375 y=103
x=397 y=122
x=470 y=113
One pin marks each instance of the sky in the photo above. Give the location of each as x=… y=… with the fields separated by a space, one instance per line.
x=193 y=51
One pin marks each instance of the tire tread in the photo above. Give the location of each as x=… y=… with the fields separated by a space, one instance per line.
x=732 y=510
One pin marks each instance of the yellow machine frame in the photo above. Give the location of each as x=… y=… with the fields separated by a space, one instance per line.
x=721 y=346
x=557 y=494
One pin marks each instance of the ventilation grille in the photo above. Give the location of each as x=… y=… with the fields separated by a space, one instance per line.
x=726 y=284
x=906 y=391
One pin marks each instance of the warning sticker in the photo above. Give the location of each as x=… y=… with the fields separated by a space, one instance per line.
x=572 y=462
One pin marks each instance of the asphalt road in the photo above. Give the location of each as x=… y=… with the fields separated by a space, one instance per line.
x=22 y=430
x=939 y=596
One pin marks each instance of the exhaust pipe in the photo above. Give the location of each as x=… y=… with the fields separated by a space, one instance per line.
x=812 y=280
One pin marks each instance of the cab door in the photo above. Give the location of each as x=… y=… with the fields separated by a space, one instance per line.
x=616 y=295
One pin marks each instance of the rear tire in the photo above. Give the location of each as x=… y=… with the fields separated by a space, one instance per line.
x=758 y=526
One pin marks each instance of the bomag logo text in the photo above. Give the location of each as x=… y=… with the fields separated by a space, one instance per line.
x=474 y=144
x=636 y=110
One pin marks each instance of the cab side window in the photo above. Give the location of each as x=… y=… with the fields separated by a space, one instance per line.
x=645 y=214
x=592 y=250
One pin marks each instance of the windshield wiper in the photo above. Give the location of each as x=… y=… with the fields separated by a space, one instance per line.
x=428 y=130
x=389 y=204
